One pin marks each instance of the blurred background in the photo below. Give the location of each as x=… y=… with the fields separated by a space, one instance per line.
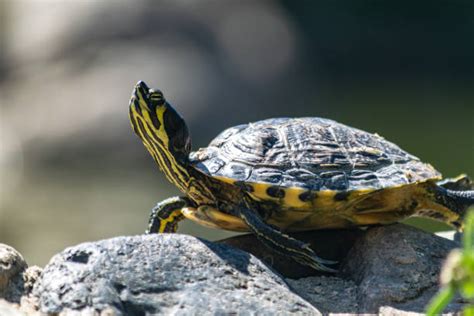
x=71 y=170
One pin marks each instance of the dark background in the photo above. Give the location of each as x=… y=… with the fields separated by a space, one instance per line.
x=70 y=168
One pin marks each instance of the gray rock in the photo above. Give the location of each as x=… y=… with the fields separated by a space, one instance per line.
x=165 y=274
x=30 y=276
x=390 y=270
x=329 y=294
x=394 y=266
x=390 y=311
x=397 y=266
x=12 y=267
x=16 y=283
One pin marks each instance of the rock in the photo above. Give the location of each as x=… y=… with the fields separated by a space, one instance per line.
x=328 y=294
x=390 y=270
x=30 y=276
x=165 y=274
x=394 y=266
x=12 y=267
x=397 y=266
x=390 y=311
x=16 y=283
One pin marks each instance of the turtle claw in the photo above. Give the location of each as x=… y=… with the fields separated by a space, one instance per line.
x=316 y=258
x=323 y=268
x=308 y=257
x=325 y=261
x=315 y=264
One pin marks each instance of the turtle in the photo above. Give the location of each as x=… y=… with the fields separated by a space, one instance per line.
x=283 y=175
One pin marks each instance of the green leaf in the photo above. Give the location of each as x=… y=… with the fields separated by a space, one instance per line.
x=468 y=236
x=467 y=289
x=439 y=302
x=468 y=310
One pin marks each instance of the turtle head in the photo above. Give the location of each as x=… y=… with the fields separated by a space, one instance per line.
x=162 y=130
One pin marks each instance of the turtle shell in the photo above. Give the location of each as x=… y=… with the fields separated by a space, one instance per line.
x=310 y=153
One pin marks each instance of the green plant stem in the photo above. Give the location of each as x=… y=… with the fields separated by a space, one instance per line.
x=440 y=301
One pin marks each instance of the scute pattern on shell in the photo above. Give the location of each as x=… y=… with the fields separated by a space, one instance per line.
x=314 y=153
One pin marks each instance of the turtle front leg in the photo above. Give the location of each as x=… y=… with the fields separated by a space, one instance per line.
x=273 y=238
x=166 y=214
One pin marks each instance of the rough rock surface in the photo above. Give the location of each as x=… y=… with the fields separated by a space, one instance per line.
x=16 y=283
x=390 y=270
x=16 y=279
x=397 y=266
x=12 y=267
x=166 y=274
x=329 y=294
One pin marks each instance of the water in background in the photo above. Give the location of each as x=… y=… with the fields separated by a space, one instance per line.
x=71 y=170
